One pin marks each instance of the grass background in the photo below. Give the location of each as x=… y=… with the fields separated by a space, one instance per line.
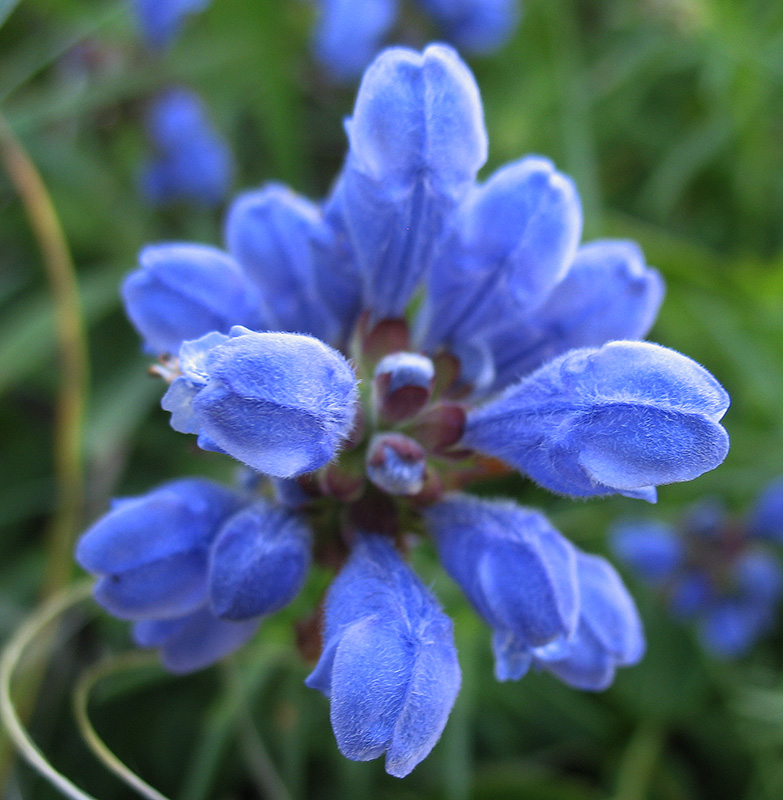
x=668 y=114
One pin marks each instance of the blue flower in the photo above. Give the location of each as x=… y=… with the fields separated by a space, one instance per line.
x=191 y=163
x=151 y=552
x=159 y=21
x=281 y=403
x=712 y=570
x=258 y=562
x=476 y=325
x=184 y=291
x=350 y=32
x=389 y=666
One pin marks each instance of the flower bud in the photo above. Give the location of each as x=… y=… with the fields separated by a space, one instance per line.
x=396 y=464
x=184 y=291
x=258 y=562
x=389 y=665
x=279 y=402
x=151 y=552
x=402 y=385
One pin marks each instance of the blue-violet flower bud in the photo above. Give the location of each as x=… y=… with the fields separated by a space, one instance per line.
x=194 y=641
x=279 y=402
x=609 y=633
x=396 y=464
x=518 y=572
x=389 y=665
x=183 y=291
x=623 y=418
x=608 y=294
x=151 y=552
x=258 y=562
x=417 y=140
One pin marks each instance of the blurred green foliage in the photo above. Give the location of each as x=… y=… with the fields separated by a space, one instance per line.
x=669 y=115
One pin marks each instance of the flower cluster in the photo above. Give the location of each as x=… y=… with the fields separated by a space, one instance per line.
x=372 y=355
x=712 y=569
x=350 y=32
x=191 y=162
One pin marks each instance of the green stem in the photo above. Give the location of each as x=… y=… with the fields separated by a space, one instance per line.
x=638 y=763
x=72 y=345
x=72 y=392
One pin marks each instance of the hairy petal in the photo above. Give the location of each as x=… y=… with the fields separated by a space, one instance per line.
x=518 y=572
x=272 y=233
x=279 y=402
x=511 y=241
x=183 y=291
x=608 y=294
x=622 y=418
x=258 y=562
x=417 y=139
x=389 y=665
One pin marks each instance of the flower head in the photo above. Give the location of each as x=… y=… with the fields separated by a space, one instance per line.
x=368 y=418
x=719 y=572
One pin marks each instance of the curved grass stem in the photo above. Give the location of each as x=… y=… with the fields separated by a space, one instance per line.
x=10 y=659
x=81 y=697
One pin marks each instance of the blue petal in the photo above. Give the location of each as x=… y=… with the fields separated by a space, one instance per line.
x=184 y=291
x=280 y=403
x=512 y=240
x=389 y=663
x=517 y=571
x=178 y=517
x=608 y=610
x=165 y=588
x=258 y=562
x=417 y=139
x=609 y=633
x=513 y=657
x=625 y=417
x=607 y=294
x=350 y=33
x=272 y=233
x=193 y=642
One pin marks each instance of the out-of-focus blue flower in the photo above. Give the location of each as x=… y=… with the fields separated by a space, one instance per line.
x=651 y=548
x=281 y=403
x=389 y=665
x=159 y=21
x=191 y=162
x=520 y=349
x=350 y=32
x=712 y=569
x=183 y=291
x=766 y=517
